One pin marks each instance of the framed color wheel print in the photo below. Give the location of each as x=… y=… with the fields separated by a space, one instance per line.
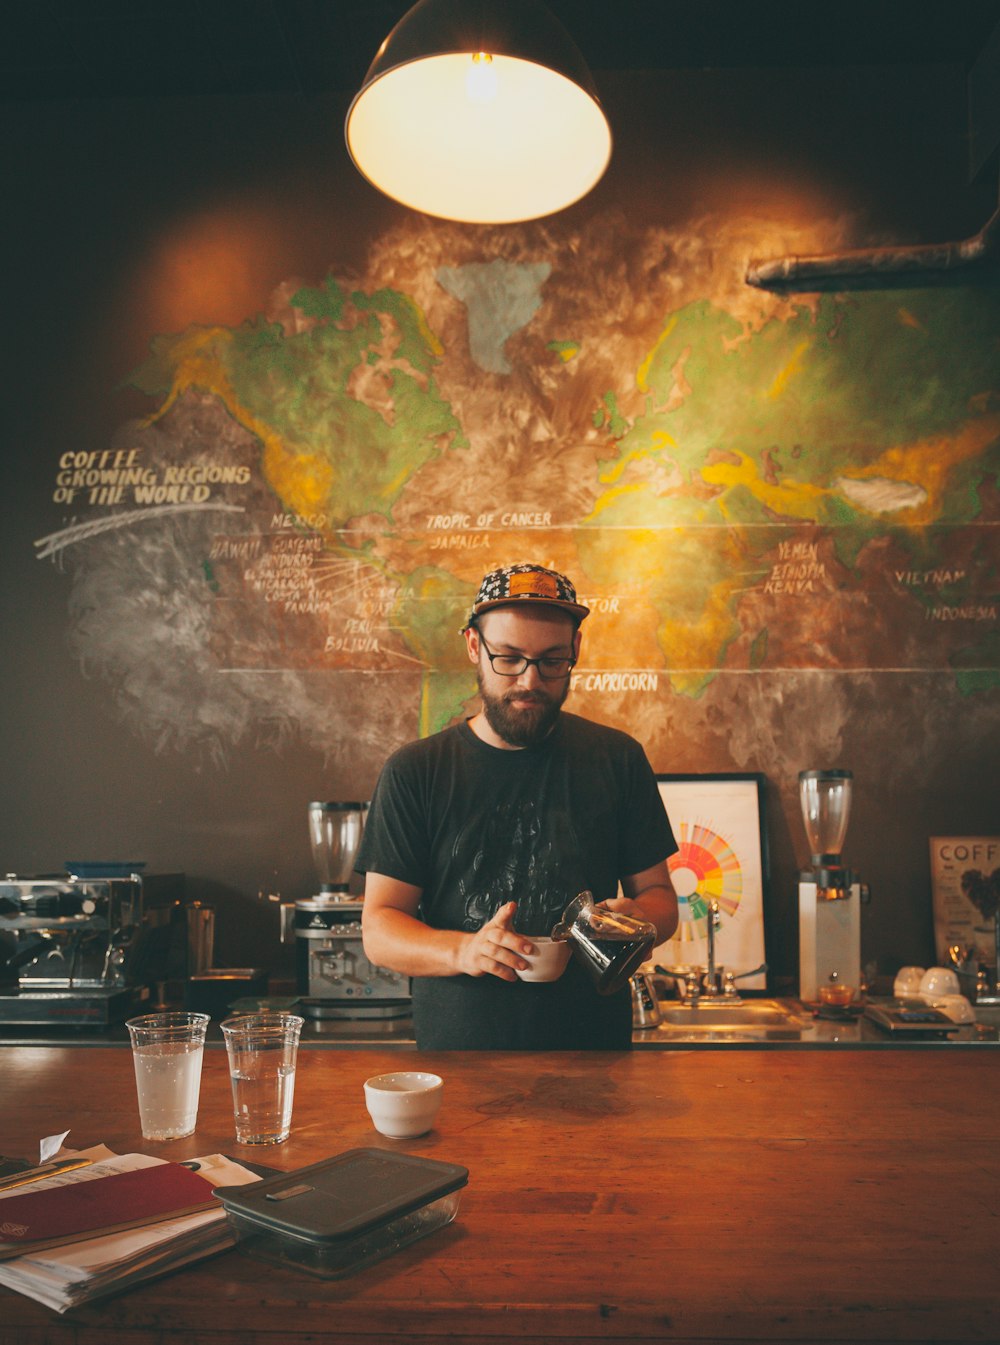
x=718 y=823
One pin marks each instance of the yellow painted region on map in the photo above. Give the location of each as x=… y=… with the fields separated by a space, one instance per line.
x=690 y=646
x=908 y=320
x=638 y=552
x=691 y=650
x=424 y=720
x=389 y=489
x=567 y=353
x=615 y=493
x=659 y=440
x=197 y=365
x=792 y=499
x=642 y=376
x=792 y=367
x=301 y=480
x=424 y=327
x=928 y=462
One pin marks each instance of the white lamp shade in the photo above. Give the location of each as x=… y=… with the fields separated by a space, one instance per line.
x=486 y=139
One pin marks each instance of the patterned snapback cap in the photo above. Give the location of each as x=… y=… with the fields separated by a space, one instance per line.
x=526 y=583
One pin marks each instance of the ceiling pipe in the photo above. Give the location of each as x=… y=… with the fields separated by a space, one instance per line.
x=973 y=259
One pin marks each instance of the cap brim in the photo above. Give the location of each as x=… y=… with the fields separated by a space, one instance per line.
x=576 y=608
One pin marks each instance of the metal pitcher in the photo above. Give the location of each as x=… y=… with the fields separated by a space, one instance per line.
x=645 y=1006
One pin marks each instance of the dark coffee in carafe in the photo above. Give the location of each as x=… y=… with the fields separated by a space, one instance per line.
x=609 y=945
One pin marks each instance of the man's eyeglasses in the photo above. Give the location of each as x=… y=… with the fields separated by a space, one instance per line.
x=551 y=667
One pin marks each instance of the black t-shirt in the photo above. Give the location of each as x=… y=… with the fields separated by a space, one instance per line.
x=474 y=826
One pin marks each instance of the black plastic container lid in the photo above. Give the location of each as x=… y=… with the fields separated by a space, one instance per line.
x=340 y=1197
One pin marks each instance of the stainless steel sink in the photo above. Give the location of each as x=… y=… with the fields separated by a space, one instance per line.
x=750 y=1018
x=751 y=1013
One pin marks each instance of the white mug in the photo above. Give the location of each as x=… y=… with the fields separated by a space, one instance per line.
x=939 y=981
x=907 y=982
x=548 y=961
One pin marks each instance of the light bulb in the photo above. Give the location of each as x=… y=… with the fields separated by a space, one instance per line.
x=481 y=78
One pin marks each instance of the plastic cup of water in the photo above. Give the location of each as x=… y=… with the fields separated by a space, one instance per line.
x=262 y=1049
x=167 y=1050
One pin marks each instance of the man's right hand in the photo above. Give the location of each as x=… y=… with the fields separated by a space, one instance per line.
x=395 y=937
x=495 y=948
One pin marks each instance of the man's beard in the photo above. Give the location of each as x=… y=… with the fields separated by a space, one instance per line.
x=522 y=725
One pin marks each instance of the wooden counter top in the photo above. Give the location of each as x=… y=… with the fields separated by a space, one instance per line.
x=689 y=1196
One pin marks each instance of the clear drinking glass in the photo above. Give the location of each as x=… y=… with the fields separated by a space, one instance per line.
x=167 y=1050
x=262 y=1050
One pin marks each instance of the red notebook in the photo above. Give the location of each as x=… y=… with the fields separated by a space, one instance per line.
x=88 y=1209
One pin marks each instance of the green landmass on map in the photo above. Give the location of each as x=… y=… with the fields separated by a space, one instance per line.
x=866 y=419
x=326 y=449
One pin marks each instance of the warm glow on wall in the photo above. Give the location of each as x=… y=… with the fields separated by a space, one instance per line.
x=216 y=267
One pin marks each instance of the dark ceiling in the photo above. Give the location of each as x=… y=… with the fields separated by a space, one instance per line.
x=161 y=48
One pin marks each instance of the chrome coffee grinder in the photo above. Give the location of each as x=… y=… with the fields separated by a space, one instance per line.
x=830 y=894
x=334 y=978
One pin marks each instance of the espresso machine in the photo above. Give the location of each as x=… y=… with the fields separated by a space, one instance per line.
x=75 y=949
x=830 y=895
x=334 y=978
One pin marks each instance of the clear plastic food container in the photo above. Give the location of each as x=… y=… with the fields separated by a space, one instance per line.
x=344 y=1213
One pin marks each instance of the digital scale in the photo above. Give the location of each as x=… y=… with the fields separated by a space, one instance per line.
x=910 y=1019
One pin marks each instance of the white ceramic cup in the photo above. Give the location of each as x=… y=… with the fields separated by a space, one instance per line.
x=957 y=1008
x=404 y=1104
x=907 y=982
x=939 y=981
x=548 y=961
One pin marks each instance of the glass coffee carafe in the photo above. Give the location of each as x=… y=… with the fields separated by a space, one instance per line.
x=610 y=945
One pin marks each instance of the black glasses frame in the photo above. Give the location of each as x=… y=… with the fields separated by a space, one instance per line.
x=526 y=663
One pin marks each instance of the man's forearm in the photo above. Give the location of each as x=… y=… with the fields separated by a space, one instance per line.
x=658 y=904
x=400 y=942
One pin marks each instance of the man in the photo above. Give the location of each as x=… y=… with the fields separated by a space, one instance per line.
x=480 y=836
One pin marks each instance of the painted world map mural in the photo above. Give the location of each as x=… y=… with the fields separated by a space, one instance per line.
x=752 y=492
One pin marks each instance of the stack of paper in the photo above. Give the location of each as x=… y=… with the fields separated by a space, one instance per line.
x=65 y=1267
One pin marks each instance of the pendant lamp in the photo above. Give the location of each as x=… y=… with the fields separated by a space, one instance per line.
x=482 y=111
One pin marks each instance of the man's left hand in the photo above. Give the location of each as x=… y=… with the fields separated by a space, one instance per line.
x=649 y=896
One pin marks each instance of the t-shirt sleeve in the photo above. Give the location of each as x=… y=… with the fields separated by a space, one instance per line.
x=647 y=836
x=395 y=838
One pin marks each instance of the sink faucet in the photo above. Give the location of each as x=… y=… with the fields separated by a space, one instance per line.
x=714 y=922
x=983 y=994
